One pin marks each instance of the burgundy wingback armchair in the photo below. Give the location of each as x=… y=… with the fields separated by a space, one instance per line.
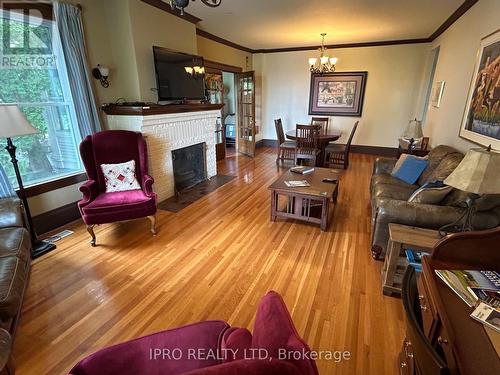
x=212 y=348
x=98 y=206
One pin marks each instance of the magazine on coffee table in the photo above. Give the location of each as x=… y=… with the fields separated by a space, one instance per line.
x=302 y=183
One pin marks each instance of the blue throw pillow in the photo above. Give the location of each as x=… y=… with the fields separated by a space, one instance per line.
x=411 y=169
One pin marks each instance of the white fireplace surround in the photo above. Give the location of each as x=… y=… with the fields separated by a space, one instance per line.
x=167 y=132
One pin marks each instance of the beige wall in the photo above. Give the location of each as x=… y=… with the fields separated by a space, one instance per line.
x=391 y=98
x=458 y=50
x=154 y=27
x=107 y=35
x=221 y=53
x=124 y=76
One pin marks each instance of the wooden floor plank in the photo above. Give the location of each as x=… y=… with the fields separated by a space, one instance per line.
x=215 y=259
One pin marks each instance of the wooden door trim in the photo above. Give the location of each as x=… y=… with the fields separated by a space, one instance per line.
x=238 y=77
x=214 y=65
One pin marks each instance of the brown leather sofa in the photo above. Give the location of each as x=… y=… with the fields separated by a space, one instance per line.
x=15 y=260
x=389 y=199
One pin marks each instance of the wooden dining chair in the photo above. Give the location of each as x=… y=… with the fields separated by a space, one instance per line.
x=307 y=142
x=323 y=121
x=286 y=149
x=338 y=154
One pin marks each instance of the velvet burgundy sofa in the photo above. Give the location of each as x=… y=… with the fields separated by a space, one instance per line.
x=98 y=206
x=211 y=347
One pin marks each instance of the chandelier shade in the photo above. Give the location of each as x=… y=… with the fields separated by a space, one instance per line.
x=324 y=64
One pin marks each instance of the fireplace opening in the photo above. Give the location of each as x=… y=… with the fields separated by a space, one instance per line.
x=189 y=166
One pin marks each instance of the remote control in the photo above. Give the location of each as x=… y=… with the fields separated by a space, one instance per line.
x=330 y=180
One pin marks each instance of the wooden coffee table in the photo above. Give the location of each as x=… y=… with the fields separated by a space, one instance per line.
x=309 y=204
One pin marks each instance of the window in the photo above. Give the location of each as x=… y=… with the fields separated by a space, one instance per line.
x=33 y=76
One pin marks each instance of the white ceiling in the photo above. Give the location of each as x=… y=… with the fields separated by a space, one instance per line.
x=260 y=24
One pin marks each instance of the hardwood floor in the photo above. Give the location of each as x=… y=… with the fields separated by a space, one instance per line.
x=214 y=260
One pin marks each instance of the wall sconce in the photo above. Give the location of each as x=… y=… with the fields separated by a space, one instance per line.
x=101 y=73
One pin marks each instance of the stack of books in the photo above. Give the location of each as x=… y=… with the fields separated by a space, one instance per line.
x=479 y=289
x=302 y=183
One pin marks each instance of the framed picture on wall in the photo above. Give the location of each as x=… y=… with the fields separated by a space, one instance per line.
x=337 y=94
x=437 y=93
x=481 y=120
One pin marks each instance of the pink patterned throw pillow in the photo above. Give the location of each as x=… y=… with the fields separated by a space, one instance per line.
x=120 y=177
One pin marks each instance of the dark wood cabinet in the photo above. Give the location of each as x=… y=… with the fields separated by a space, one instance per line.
x=442 y=338
x=406 y=362
x=427 y=308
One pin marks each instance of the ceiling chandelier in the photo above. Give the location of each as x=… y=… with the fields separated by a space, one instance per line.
x=181 y=4
x=324 y=64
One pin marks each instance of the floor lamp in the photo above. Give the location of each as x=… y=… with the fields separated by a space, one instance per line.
x=14 y=124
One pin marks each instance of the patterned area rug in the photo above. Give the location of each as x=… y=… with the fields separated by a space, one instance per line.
x=191 y=195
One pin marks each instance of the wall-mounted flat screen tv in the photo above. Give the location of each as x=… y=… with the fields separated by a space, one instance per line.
x=179 y=76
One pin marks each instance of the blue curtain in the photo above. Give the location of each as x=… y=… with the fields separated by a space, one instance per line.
x=6 y=189
x=69 y=23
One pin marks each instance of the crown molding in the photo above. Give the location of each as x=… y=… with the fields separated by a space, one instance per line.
x=466 y=5
x=462 y=9
x=344 y=45
x=226 y=42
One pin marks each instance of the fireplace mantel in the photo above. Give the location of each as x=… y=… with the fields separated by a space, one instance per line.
x=167 y=132
x=156 y=109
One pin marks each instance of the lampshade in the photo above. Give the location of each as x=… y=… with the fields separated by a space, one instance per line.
x=13 y=123
x=478 y=172
x=413 y=130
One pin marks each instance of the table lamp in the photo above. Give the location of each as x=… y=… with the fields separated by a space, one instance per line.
x=478 y=173
x=14 y=124
x=412 y=133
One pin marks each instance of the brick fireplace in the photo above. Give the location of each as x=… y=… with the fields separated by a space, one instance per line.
x=168 y=132
x=189 y=166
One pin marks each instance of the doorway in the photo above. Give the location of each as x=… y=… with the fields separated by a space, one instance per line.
x=229 y=112
x=236 y=130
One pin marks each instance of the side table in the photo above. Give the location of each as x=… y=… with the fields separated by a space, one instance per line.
x=402 y=237
x=416 y=152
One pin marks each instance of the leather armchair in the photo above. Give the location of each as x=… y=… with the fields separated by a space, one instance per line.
x=389 y=199
x=99 y=207
x=15 y=261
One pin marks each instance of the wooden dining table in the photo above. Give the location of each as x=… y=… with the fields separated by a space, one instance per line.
x=323 y=140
